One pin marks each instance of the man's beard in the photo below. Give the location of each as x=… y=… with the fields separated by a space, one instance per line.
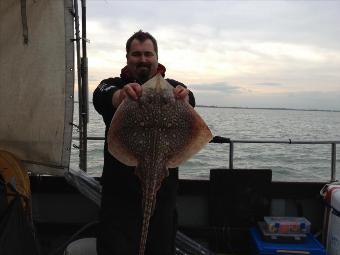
x=143 y=74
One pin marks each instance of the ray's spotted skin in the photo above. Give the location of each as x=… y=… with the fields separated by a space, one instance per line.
x=155 y=133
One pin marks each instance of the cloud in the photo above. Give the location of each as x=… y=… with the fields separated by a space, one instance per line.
x=269 y=84
x=287 y=21
x=216 y=87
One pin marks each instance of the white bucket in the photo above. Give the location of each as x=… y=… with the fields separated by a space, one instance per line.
x=333 y=235
x=85 y=246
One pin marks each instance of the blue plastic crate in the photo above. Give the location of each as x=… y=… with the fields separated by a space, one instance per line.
x=310 y=246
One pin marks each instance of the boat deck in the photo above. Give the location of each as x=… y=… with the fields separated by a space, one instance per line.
x=59 y=211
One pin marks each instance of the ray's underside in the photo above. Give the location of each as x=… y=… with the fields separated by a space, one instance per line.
x=155 y=133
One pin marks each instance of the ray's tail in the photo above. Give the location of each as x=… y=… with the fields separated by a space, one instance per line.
x=148 y=208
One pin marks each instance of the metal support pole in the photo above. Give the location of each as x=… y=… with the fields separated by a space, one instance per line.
x=84 y=62
x=82 y=83
x=84 y=116
x=80 y=87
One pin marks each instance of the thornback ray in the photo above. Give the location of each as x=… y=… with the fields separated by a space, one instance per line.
x=153 y=134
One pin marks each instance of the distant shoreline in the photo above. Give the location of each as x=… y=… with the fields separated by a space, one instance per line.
x=267 y=108
x=260 y=108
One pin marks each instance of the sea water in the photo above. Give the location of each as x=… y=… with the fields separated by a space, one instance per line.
x=289 y=162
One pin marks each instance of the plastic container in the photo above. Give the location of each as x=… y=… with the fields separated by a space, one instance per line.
x=310 y=246
x=284 y=238
x=287 y=225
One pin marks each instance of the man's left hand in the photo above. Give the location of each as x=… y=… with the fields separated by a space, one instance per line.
x=181 y=93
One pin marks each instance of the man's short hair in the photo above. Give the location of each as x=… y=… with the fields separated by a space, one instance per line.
x=141 y=36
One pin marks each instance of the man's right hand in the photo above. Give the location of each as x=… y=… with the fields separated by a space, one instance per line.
x=132 y=90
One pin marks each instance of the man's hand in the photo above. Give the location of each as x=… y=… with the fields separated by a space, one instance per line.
x=132 y=90
x=181 y=93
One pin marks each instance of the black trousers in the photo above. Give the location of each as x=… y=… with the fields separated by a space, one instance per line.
x=121 y=217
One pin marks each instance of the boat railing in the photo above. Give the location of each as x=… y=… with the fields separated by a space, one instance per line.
x=231 y=142
x=219 y=139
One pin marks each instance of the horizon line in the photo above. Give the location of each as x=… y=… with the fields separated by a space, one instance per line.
x=258 y=108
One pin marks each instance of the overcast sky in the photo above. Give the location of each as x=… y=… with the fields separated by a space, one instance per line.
x=229 y=53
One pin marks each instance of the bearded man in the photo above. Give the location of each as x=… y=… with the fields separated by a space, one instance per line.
x=121 y=209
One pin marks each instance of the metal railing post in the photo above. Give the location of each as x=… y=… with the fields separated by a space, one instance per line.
x=231 y=155
x=333 y=163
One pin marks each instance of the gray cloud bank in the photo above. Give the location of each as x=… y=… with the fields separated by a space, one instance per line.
x=290 y=48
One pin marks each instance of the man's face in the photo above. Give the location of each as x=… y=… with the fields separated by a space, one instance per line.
x=142 y=60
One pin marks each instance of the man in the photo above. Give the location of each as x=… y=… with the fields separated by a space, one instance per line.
x=121 y=208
